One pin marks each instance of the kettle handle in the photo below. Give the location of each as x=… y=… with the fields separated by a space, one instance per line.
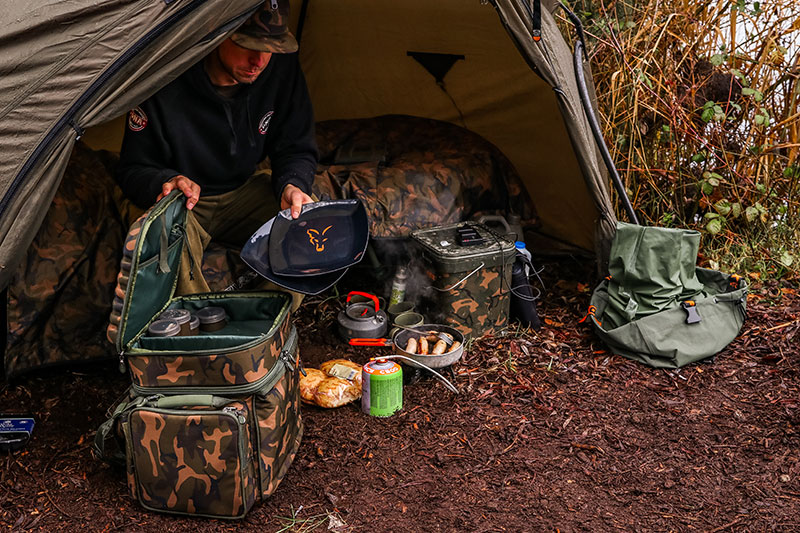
x=365 y=294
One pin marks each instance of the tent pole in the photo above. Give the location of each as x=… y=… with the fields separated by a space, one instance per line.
x=302 y=21
x=592 y=118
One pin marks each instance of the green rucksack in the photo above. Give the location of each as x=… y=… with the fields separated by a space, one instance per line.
x=657 y=306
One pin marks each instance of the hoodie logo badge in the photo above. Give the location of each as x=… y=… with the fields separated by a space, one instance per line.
x=137 y=119
x=263 y=126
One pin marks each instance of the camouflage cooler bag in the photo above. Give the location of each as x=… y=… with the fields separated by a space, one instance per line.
x=250 y=363
x=205 y=454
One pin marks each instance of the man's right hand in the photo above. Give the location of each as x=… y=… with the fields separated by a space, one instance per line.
x=185 y=185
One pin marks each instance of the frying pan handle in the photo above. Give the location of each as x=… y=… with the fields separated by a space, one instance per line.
x=365 y=294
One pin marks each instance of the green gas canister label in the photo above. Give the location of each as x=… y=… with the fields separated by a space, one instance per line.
x=382 y=388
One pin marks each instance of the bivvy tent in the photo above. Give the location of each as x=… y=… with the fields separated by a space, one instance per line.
x=488 y=88
x=500 y=68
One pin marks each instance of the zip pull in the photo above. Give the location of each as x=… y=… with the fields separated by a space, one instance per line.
x=274 y=5
x=536 y=22
x=122 y=368
x=287 y=360
x=238 y=413
x=182 y=230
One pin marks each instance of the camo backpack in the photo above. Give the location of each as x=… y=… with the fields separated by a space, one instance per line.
x=212 y=420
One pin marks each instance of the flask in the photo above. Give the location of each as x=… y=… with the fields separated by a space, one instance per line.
x=523 y=305
x=398 y=286
x=521 y=249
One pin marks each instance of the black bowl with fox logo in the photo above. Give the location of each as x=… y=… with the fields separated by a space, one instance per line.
x=312 y=252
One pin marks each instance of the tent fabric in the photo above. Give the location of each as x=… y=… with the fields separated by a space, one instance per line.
x=67 y=66
x=70 y=66
x=657 y=307
x=492 y=91
x=553 y=61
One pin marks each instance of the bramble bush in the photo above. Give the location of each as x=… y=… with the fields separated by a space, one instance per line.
x=700 y=106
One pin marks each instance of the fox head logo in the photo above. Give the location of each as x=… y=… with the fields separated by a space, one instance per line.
x=318 y=239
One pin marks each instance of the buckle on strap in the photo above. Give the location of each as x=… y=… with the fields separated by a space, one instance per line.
x=690 y=307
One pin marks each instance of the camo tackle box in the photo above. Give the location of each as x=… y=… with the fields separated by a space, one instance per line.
x=468 y=270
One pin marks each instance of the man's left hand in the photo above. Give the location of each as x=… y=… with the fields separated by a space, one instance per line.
x=294 y=197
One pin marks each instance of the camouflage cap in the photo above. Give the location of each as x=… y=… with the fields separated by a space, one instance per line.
x=267 y=29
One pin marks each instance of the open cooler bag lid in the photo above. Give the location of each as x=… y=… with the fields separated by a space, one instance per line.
x=153 y=246
x=312 y=252
x=657 y=306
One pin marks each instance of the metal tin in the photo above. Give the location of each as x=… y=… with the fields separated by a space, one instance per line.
x=181 y=316
x=212 y=318
x=163 y=328
x=381 y=388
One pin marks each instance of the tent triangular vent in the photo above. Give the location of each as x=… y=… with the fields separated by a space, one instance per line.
x=437 y=64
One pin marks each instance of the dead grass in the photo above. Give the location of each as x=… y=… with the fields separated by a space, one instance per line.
x=700 y=105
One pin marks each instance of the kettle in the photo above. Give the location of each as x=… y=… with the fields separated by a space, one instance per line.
x=365 y=320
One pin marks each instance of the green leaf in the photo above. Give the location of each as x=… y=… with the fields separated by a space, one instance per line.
x=786 y=259
x=708 y=114
x=761 y=188
x=706 y=187
x=722 y=206
x=736 y=210
x=738 y=74
x=755 y=93
x=714 y=226
x=699 y=156
x=751 y=214
x=717 y=59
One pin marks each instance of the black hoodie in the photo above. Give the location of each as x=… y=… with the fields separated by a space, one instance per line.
x=189 y=128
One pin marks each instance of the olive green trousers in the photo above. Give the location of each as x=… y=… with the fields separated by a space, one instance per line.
x=229 y=219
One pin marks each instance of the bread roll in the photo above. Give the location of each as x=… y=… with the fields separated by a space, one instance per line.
x=310 y=382
x=351 y=370
x=335 y=392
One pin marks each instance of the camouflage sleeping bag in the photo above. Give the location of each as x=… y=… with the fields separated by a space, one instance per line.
x=414 y=173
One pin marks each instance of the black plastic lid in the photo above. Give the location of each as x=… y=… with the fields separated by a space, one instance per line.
x=163 y=328
x=211 y=315
x=181 y=316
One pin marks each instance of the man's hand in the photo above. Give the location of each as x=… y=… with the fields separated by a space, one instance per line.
x=185 y=185
x=294 y=197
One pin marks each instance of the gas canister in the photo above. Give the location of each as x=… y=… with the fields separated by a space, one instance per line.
x=381 y=387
